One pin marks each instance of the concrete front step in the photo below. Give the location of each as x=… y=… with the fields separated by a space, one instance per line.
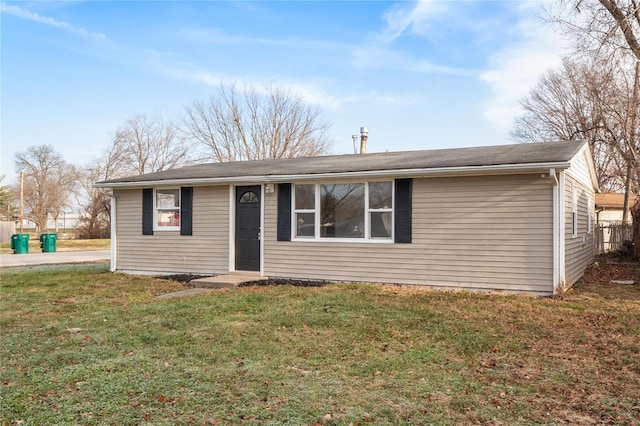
x=225 y=281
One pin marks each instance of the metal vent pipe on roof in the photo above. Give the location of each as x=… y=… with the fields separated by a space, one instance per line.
x=364 y=135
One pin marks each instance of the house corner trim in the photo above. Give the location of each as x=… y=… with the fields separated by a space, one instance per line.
x=113 y=264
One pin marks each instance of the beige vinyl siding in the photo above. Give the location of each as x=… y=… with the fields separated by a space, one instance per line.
x=492 y=232
x=579 y=250
x=206 y=251
x=580 y=169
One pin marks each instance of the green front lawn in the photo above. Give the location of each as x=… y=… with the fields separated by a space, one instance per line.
x=81 y=345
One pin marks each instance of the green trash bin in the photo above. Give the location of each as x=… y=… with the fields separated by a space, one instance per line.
x=20 y=243
x=48 y=242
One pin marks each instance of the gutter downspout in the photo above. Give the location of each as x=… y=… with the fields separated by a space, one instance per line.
x=556 y=227
x=113 y=266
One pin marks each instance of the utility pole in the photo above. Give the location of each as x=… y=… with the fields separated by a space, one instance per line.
x=21 y=198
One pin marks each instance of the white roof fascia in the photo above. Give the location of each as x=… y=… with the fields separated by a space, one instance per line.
x=427 y=172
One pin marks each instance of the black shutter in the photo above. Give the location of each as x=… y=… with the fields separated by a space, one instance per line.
x=147 y=211
x=284 y=212
x=186 y=210
x=403 y=211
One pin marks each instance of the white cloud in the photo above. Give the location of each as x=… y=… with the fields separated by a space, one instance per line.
x=515 y=69
x=404 y=19
x=189 y=72
x=393 y=99
x=313 y=92
x=317 y=95
x=413 y=19
x=216 y=36
x=383 y=57
x=32 y=16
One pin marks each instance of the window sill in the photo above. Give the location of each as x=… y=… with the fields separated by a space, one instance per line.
x=166 y=228
x=344 y=240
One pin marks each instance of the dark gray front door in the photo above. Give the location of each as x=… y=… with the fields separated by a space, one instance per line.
x=248 y=228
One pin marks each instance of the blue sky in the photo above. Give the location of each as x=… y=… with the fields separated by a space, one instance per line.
x=419 y=75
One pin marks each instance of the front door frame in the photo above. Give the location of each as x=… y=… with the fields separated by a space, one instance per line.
x=232 y=227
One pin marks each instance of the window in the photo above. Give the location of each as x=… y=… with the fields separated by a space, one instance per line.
x=360 y=211
x=342 y=210
x=249 y=197
x=167 y=209
x=589 y=215
x=380 y=209
x=574 y=211
x=304 y=211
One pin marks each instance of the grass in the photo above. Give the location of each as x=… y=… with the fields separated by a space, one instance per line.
x=62 y=245
x=81 y=345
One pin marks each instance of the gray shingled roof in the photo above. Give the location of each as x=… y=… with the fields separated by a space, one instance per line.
x=517 y=154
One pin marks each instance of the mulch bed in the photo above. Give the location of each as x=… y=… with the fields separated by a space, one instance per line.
x=186 y=279
x=284 y=281
x=182 y=278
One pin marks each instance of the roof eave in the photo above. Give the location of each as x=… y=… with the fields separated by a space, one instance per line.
x=424 y=172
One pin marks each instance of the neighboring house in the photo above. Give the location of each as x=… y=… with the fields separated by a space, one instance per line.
x=514 y=218
x=611 y=232
x=66 y=222
x=610 y=206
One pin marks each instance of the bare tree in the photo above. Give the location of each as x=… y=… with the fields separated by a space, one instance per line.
x=7 y=209
x=95 y=203
x=598 y=25
x=145 y=145
x=48 y=183
x=610 y=27
x=583 y=99
x=256 y=124
x=142 y=144
x=635 y=212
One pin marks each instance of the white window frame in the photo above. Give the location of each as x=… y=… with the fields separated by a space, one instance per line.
x=369 y=210
x=589 y=213
x=294 y=220
x=156 y=226
x=574 y=210
x=366 y=220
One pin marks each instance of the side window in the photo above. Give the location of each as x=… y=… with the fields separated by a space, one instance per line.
x=589 y=213
x=574 y=210
x=167 y=209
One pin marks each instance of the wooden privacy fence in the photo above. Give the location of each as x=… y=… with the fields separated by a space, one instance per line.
x=610 y=237
x=6 y=230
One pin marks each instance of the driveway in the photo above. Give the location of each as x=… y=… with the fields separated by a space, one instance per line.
x=38 y=258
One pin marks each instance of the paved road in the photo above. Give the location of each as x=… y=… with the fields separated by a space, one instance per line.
x=39 y=258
